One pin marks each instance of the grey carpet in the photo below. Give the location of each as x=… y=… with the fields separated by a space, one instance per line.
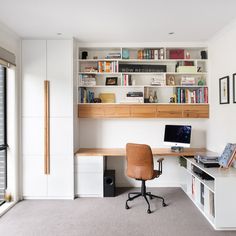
x=108 y=216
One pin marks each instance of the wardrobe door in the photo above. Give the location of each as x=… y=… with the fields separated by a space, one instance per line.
x=60 y=76
x=34 y=180
x=33 y=75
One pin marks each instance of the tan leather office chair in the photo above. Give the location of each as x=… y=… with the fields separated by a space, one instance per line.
x=140 y=167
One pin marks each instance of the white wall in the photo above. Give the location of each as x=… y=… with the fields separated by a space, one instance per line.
x=222 y=123
x=11 y=42
x=108 y=133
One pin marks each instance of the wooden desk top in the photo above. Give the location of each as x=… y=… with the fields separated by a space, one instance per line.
x=121 y=152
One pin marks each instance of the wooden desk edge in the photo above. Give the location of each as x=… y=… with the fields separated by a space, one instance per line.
x=121 y=152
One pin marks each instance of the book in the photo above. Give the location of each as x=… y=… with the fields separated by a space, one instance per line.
x=226 y=157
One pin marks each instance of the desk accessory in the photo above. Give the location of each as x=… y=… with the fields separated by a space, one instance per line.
x=228 y=155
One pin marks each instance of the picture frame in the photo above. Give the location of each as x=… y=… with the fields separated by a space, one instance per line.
x=111 y=81
x=234 y=88
x=170 y=80
x=224 y=90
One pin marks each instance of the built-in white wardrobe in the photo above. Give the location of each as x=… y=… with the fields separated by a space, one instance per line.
x=50 y=60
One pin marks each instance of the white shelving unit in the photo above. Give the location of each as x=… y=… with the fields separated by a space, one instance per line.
x=214 y=198
x=140 y=80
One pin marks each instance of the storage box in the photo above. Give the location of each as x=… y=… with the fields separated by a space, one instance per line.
x=187 y=69
x=107 y=97
x=176 y=54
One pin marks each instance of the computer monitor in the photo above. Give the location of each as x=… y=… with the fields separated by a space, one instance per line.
x=177 y=136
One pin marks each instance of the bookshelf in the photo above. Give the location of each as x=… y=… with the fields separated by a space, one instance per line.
x=214 y=198
x=145 y=76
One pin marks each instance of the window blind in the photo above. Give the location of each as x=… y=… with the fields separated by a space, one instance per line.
x=7 y=57
x=3 y=133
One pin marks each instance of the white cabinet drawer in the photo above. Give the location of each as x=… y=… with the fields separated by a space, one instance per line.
x=89 y=184
x=89 y=164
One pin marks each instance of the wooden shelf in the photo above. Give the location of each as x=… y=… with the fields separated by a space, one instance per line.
x=143 y=110
x=142 y=81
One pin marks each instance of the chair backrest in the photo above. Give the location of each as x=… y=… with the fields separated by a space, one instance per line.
x=139 y=161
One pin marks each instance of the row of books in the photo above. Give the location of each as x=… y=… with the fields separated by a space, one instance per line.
x=86 y=96
x=151 y=54
x=107 y=66
x=126 y=80
x=186 y=95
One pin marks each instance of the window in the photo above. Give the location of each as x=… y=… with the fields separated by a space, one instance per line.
x=3 y=133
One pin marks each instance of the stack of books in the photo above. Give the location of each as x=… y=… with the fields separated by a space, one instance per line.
x=113 y=55
x=158 y=81
x=87 y=80
x=187 y=81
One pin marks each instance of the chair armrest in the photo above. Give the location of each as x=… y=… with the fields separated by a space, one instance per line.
x=160 y=160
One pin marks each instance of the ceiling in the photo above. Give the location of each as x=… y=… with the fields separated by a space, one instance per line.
x=107 y=21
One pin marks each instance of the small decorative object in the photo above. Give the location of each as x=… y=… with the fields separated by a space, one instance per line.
x=133 y=82
x=234 y=88
x=171 y=80
x=224 y=90
x=97 y=100
x=95 y=57
x=151 y=98
x=201 y=82
x=84 y=55
x=173 y=99
x=125 y=54
x=7 y=196
x=187 y=55
x=155 y=97
x=111 y=80
x=203 y=54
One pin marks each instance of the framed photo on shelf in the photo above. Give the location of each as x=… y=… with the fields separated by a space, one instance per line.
x=224 y=90
x=112 y=81
x=234 y=88
x=170 y=80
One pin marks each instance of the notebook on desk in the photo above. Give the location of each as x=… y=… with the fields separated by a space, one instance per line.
x=208 y=160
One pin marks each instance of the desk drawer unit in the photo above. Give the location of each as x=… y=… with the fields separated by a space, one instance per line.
x=89 y=176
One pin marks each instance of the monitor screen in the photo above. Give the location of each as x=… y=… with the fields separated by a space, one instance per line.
x=177 y=135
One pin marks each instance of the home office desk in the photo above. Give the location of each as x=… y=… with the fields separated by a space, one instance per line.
x=214 y=198
x=121 y=152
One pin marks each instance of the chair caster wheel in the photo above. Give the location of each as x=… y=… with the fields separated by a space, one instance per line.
x=149 y=211
x=164 y=204
x=126 y=207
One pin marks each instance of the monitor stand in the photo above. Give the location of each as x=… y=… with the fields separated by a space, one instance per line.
x=177 y=149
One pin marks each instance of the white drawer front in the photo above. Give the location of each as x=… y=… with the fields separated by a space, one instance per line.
x=88 y=164
x=89 y=184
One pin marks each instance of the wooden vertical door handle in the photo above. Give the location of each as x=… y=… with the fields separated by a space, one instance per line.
x=46 y=129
